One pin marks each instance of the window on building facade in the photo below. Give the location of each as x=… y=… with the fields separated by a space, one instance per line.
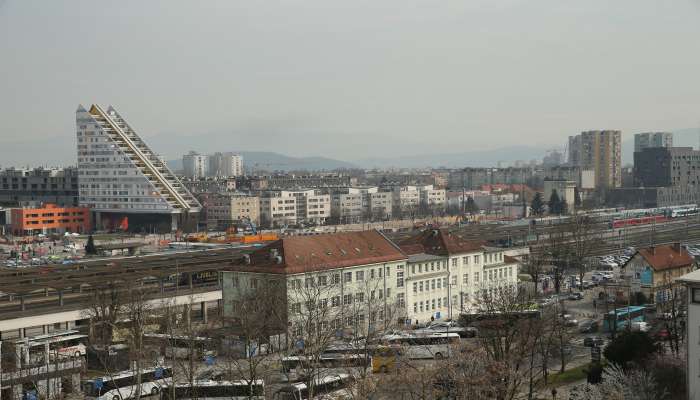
x=388 y=271
x=444 y=282
x=322 y=280
x=477 y=259
x=413 y=269
x=371 y=273
x=420 y=286
x=455 y=299
x=360 y=275
x=432 y=266
x=439 y=303
x=454 y=262
x=465 y=279
x=465 y=260
x=253 y=283
x=335 y=301
x=439 y=283
x=388 y=292
x=336 y=279
x=347 y=277
x=401 y=299
x=433 y=304
x=308 y=282
x=432 y=284
x=415 y=287
x=399 y=278
x=415 y=307
x=421 y=306
x=347 y=299
x=359 y=297
x=454 y=280
x=695 y=295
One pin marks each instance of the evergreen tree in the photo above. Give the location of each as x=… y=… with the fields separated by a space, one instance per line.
x=537 y=205
x=554 y=203
x=563 y=207
x=90 y=246
x=471 y=206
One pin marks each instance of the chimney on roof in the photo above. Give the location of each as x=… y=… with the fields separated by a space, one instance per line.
x=676 y=247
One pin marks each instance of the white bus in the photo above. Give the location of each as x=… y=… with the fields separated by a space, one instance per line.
x=331 y=385
x=177 y=346
x=62 y=345
x=216 y=390
x=123 y=385
x=334 y=360
x=418 y=345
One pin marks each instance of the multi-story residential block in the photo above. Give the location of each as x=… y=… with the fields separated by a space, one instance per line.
x=467 y=271
x=33 y=187
x=601 y=152
x=225 y=165
x=380 y=205
x=692 y=335
x=667 y=166
x=50 y=219
x=657 y=267
x=223 y=209
x=405 y=200
x=347 y=208
x=433 y=199
x=121 y=178
x=195 y=165
x=293 y=181
x=277 y=210
x=652 y=139
x=357 y=279
x=312 y=205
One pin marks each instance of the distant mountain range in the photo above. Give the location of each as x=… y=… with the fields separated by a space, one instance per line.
x=62 y=152
x=270 y=161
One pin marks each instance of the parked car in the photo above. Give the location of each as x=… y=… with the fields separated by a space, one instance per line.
x=593 y=341
x=588 y=326
x=576 y=296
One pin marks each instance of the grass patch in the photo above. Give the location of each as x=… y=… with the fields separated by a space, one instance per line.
x=568 y=376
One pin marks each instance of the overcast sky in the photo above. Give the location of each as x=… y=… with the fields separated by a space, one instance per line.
x=350 y=79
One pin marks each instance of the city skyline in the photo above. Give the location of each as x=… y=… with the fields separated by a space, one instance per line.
x=431 y=79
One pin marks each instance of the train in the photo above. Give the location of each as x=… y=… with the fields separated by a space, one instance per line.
x=620 y=218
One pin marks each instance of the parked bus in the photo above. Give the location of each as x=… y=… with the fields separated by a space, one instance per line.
x=123 y=385
x=618 y=318
x=62 y=344
x=177 y=346
x=216 y=390
x=327 y=385
x=338 y=360
x=423 y=345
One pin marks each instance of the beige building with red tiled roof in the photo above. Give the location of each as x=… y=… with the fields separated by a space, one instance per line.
x=657 y=267
x=363 y=280
x=447 y=276
x=345 y=280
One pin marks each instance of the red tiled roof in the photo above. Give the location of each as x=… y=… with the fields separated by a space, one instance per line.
x=411 y=249
x=442 y=242
x=666 y=257
x=510 y=260
x=299 y=254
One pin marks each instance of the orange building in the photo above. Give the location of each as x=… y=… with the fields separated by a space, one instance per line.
x=50 y=219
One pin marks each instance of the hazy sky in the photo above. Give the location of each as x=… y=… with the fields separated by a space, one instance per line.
x=350 y=79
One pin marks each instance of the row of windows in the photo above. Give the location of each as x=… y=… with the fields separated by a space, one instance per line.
x=428 y=285
x=428 y=305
